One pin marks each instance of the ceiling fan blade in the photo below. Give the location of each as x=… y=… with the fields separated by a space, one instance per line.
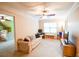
x=51 y=14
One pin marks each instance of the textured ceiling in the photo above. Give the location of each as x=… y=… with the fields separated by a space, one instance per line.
x=59 y=7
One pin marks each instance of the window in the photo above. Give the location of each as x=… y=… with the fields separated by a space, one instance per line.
x=50 y=27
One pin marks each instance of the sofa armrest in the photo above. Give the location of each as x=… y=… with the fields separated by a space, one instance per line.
x=24 y=46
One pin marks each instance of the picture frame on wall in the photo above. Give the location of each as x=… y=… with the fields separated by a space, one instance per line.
x=1 y=17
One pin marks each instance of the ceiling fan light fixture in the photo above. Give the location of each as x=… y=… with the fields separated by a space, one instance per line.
x=51 y=14
x=44 y=11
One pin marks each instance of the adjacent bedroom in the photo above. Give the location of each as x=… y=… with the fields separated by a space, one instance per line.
x=6 y=33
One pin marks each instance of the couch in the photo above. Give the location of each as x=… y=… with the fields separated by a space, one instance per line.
x=27 y=46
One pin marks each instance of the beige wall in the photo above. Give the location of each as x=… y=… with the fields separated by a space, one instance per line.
x=25 y=23
x=73 y=28
x=73 y=21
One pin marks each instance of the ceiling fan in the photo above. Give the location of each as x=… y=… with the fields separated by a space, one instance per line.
x=45 y=12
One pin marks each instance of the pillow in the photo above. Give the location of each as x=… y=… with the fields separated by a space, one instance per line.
x=27 y=39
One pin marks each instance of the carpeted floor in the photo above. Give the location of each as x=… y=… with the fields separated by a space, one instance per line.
x=47 y=48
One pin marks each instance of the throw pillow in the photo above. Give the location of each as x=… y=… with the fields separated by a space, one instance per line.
x=27 y=39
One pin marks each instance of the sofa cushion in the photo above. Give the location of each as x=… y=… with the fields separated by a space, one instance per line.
x=35 y=42
x=32 y=37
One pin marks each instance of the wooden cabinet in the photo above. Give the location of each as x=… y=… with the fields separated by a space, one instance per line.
x=69 y=50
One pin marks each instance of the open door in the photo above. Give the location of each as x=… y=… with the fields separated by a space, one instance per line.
x=7 y=37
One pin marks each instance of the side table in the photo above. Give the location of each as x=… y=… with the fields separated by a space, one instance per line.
x=69 y=50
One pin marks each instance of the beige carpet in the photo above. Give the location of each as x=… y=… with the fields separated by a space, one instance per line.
x=47 y=48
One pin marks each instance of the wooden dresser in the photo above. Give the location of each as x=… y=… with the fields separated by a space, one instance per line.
x=69 y=50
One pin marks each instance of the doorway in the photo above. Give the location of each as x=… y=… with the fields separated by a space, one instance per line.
x=7 y=38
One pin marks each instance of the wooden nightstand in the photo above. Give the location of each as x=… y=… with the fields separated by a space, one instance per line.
x=69 y=50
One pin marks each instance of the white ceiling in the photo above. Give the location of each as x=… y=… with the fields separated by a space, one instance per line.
x=37 y=7
x=52 y=7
